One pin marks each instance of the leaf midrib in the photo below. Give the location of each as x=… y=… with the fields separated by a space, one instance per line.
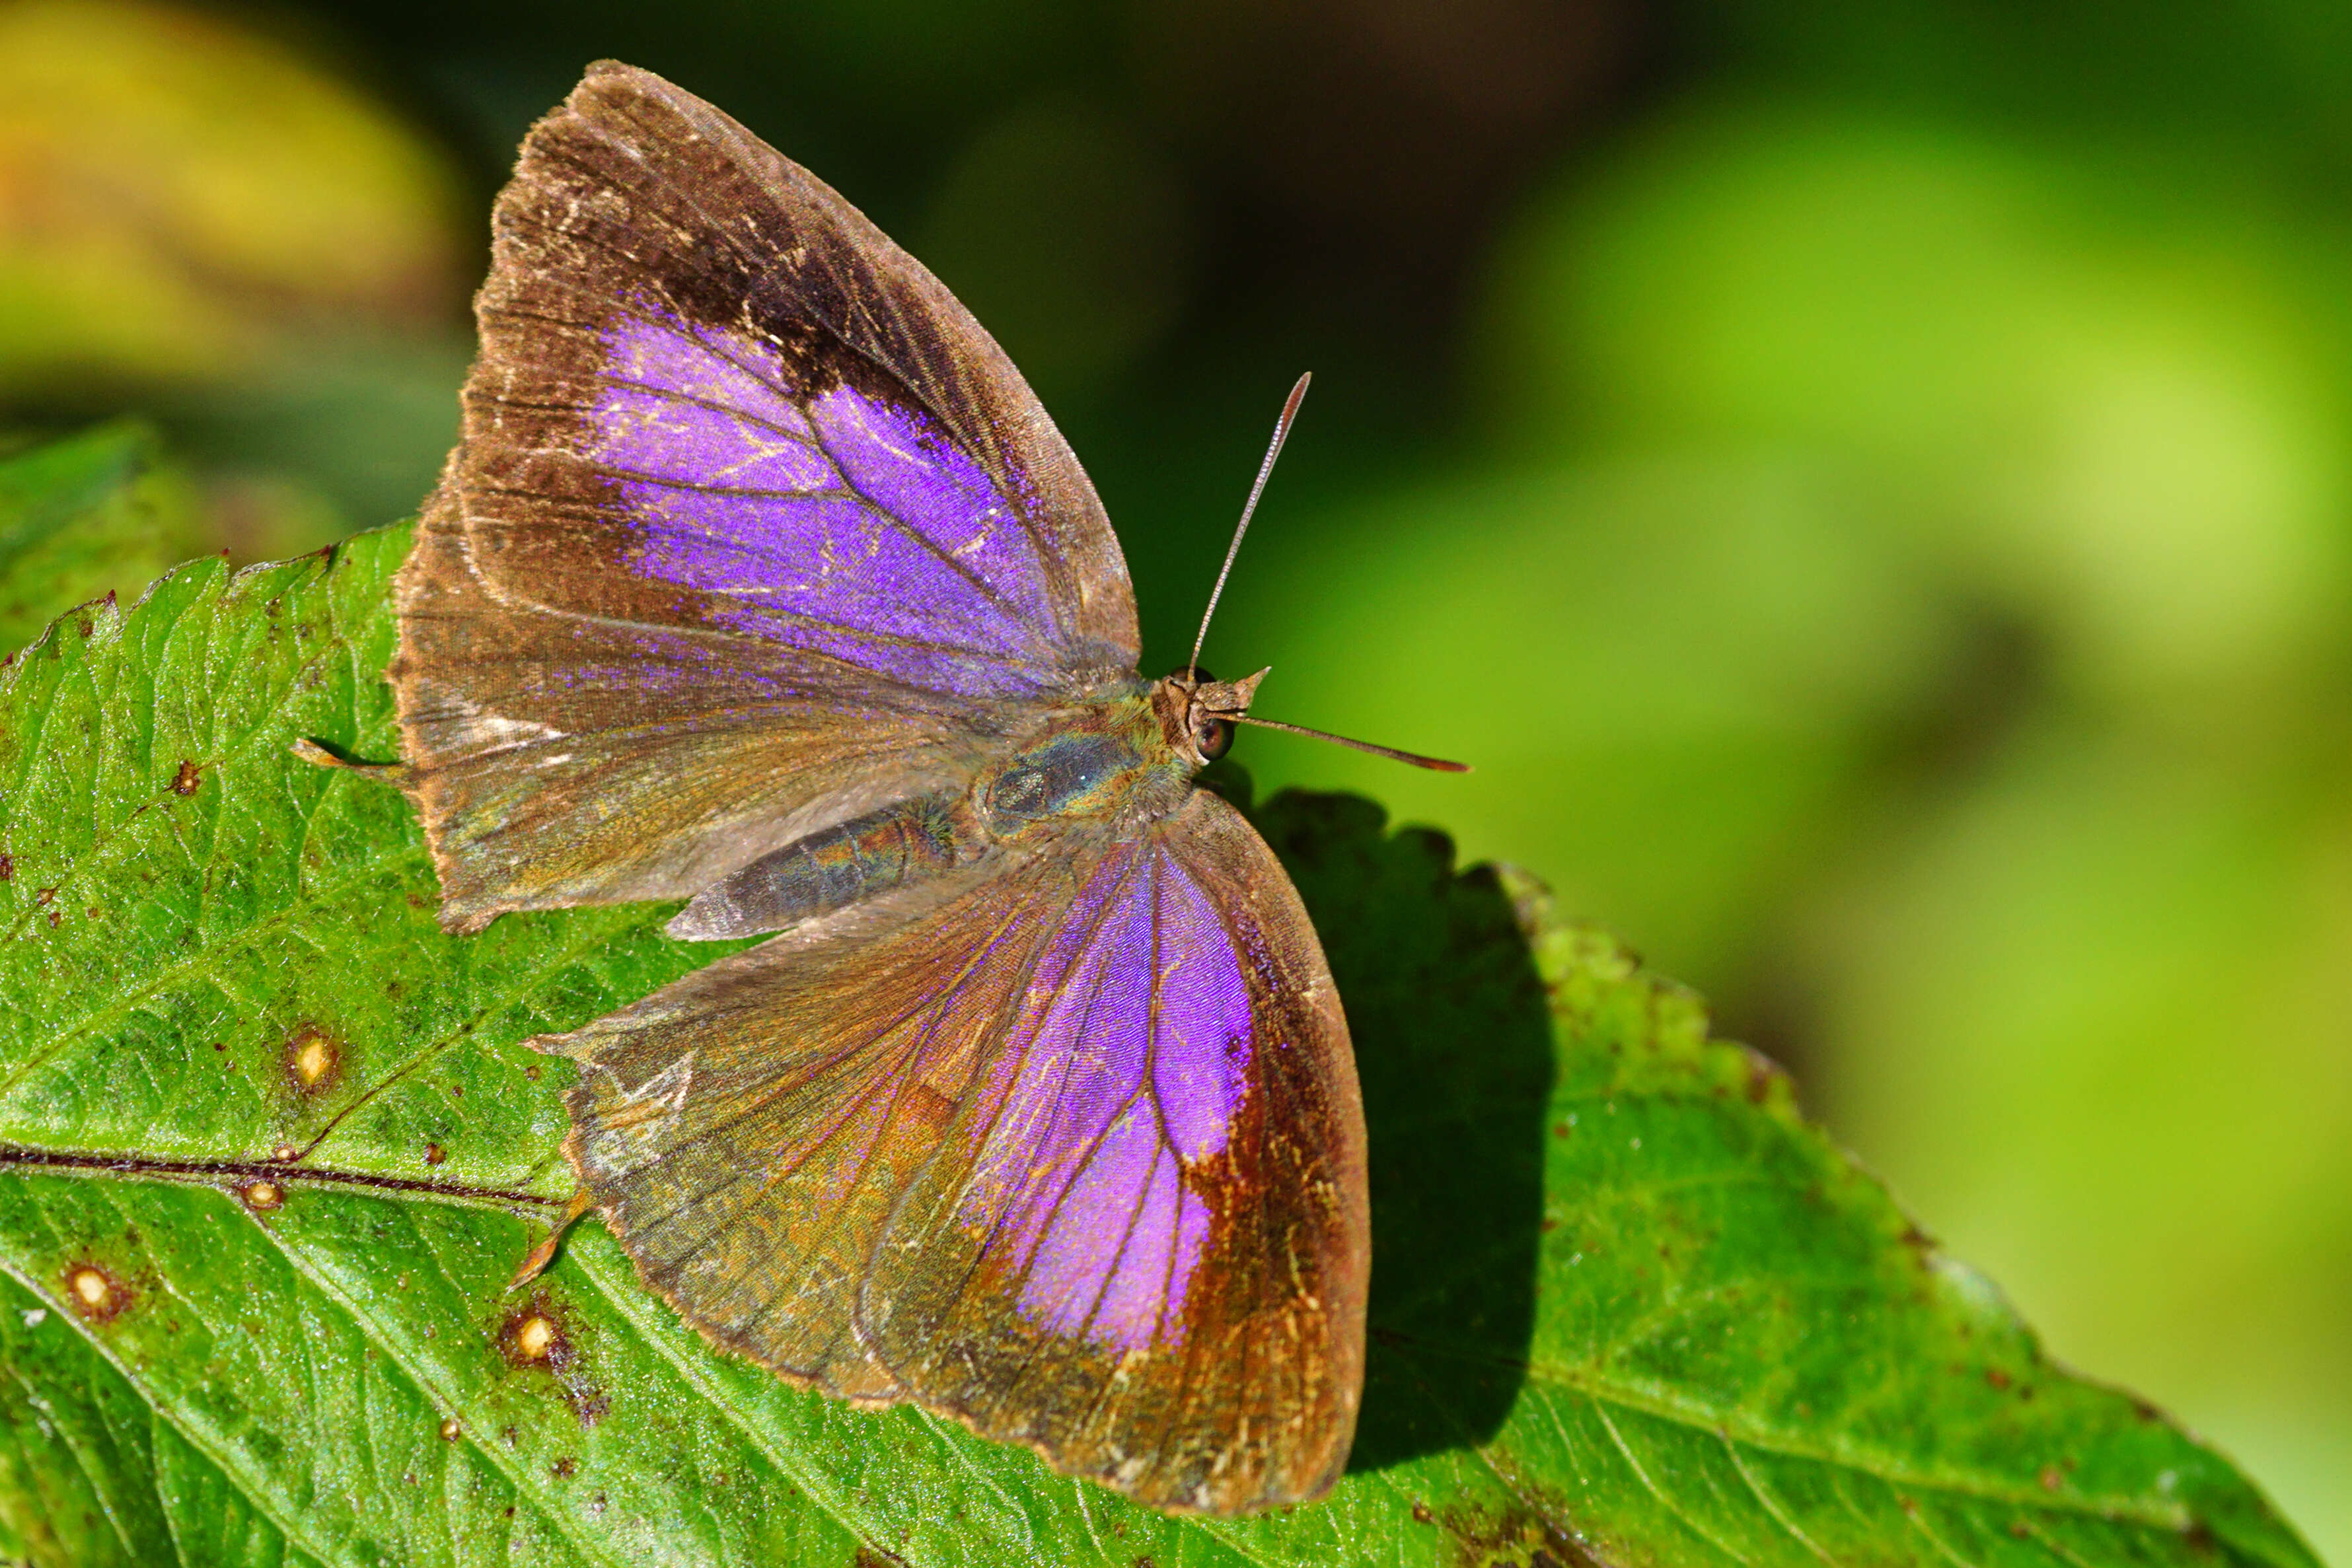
x=170 y=1170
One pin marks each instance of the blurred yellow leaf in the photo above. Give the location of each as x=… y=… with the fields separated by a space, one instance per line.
x=178 y=195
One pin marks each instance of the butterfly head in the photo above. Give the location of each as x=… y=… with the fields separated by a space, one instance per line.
x=1198 y=711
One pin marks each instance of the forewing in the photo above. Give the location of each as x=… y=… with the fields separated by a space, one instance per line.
x=751 y=528
x=1075 y=1155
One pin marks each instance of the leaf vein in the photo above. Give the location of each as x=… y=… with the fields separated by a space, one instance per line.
x=1676 y=1510
x=1771 y=1505
x=630 y=1308
x=186 y=1431
x=371 y=1331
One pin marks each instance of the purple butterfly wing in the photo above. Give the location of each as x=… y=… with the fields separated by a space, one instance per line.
x=752 y=527
x=1074 y=1154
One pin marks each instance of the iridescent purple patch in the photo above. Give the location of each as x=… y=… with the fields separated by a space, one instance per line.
x=844 y=525
x=1132 y=1072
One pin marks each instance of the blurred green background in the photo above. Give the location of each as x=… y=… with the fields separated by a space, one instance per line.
x=1870 y=487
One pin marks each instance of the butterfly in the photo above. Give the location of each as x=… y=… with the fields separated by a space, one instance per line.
x=761 y=579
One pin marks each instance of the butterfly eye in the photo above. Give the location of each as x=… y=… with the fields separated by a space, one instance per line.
x=1211 y=737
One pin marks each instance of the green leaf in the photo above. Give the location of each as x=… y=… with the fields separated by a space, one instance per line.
x=269 y=1147
x=99 y=514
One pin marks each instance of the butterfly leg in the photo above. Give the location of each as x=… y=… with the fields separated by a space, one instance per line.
x=317 y=756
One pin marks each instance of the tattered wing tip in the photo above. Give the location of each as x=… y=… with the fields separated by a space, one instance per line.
x=460 y=919
x=553 y=1045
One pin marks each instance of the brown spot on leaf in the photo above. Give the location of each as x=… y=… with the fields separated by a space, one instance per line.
x=534 y=1337
x=41 y=897
x=185 y=782
x=1997 y=1377
x=2050 y=1478
x=285 y=1154
x=450 y=1427
x=94 y=1294
x=262 y=1197
x=1517 y=1535
x=435 y=1154
x=313 y=1058
x=564 y=1468
x=7 y=868
x=531 y=1070
x=1420 y=1515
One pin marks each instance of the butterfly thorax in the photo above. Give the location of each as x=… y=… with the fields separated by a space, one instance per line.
x=1114 y=764
x=1102 y=765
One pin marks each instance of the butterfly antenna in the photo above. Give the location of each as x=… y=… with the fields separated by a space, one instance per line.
x=1281 y=435
x=1435 y=764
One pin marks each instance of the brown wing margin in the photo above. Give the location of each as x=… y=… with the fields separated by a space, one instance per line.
x=575 y=734
x=786 y=1144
